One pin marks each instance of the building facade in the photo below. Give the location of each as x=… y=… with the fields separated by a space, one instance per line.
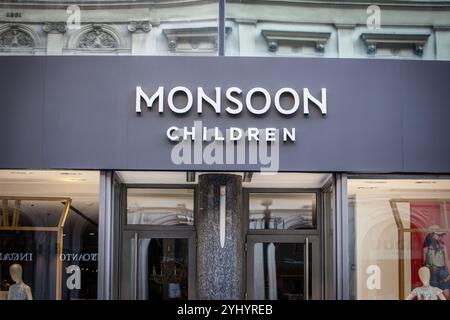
x=279 y=150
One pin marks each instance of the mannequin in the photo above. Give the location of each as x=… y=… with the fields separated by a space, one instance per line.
x=19 y=290
x=426 y=292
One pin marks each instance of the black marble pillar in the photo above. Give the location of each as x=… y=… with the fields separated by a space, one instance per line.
x=220 y=270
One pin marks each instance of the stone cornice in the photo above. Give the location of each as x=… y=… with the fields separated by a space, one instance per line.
x=416 y=41
x=295 y=38
x=193 y=36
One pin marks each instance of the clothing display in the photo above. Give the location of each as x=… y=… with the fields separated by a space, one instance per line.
x=18 y=291
x=426 y=293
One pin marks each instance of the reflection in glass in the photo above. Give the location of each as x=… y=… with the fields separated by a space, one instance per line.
x=160 y=206
x=279 y=271
x=27 y=212
x=115 y=27
x=400 y=225
x=282 y=211
x=162 y=269
x=34 y=229
x=334 y=29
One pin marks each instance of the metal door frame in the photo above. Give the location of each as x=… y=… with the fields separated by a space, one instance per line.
x=314 y=240
x=129 y=288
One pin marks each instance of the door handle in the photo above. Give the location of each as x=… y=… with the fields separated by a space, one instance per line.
x=136 y=258
x=307 y=268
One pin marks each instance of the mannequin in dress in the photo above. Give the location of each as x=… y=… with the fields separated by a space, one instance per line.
x=426 y=292
x=19 y=290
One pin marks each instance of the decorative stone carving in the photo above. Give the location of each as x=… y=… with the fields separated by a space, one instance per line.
x=14 y=37
x=273 y=46
x=416 y=42
x=371 y=48
x=276 y=38
x=97 y=38
x=418 y=49
x=55 y=27
x=139 y=26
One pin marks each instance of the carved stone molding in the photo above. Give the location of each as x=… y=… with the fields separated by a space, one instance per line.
x=191 y=40
x=274 y=38
x=139 y=26
x=55 y=27
x=415 y=42
x=97 y=38
x=15 y=37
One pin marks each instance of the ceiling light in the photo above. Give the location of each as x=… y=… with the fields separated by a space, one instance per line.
x=375 y=182
x=367 y=188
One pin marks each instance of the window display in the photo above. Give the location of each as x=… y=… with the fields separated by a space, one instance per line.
x=426 y=291
x=399 y=227
x=48 y=234
x=19 y=290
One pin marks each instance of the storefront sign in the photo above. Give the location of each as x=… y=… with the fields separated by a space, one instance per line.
x=331 y=115
x=231 y=104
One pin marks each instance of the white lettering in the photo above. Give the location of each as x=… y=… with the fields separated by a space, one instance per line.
x=171 y=103
x=321 y=104
x=232 y=132
x=288 y=134
x=140 y=94
x=171 y=136
x=294 y=94
x=201 y=95
x=234 y=100
x=248 y=100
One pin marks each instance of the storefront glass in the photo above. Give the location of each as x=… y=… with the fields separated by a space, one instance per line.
x=49 y=234
x=156 y=206
x=338 y=29
x=163 y=269
x=282 y=271
x=282 y=211
x=398 y=226
x=117 y=27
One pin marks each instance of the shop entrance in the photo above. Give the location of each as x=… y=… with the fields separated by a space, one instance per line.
x=224 y=236
x=158 y=265
x=283 y=268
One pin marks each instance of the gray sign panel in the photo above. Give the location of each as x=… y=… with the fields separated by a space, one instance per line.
x=79 y=112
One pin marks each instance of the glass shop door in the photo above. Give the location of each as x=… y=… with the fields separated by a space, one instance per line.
x=158 y=265
x=283 y=267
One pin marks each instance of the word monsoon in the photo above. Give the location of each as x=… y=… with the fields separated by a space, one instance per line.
x=233 y=96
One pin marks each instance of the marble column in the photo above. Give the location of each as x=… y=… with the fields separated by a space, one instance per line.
x=220 y=270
